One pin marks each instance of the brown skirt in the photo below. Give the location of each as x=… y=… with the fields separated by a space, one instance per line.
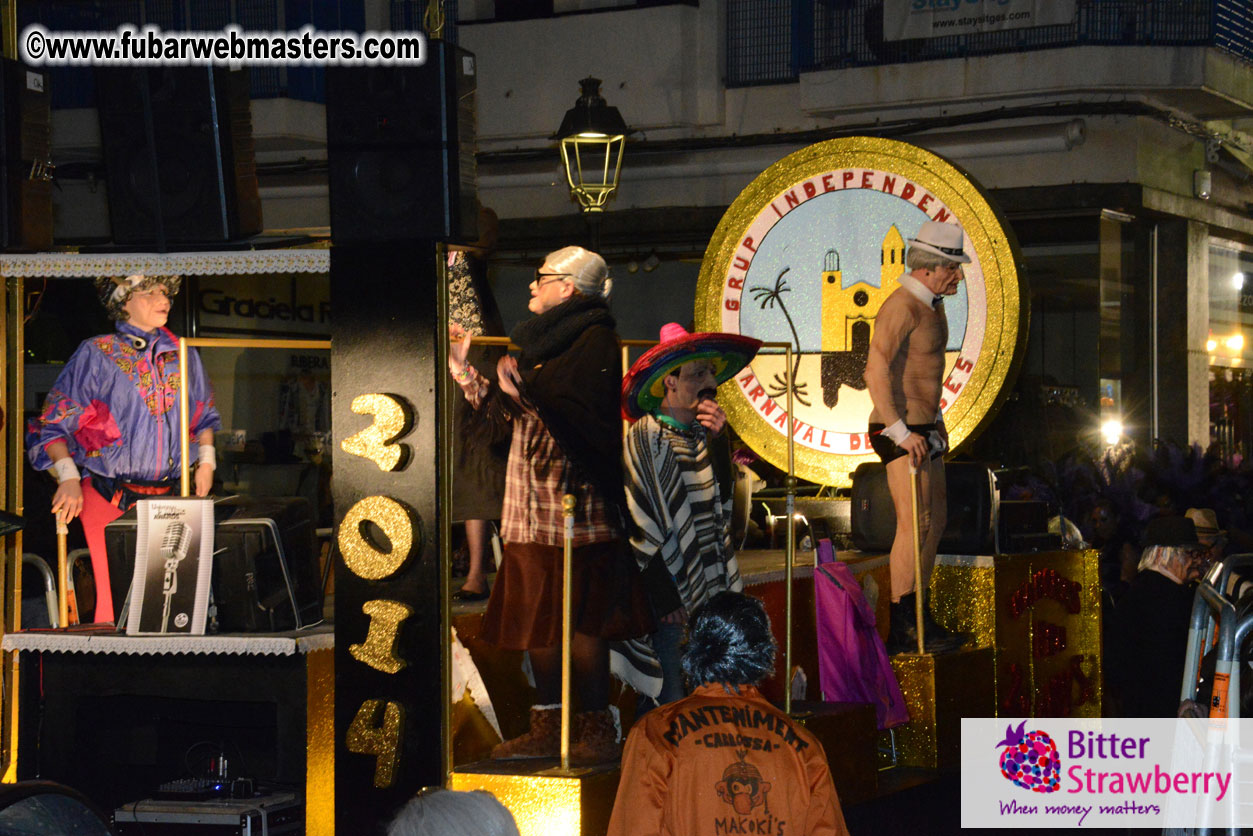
x=525 y=608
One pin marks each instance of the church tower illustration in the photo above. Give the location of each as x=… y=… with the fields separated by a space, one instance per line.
x=848 y=315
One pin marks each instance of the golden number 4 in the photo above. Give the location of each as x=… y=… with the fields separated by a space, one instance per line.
x=368 y=736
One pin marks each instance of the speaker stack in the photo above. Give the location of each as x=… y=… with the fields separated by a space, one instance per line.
x=26 y=152
x=179 y=156
x=401 y=150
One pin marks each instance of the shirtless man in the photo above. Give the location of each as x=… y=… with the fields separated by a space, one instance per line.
x=904 y=372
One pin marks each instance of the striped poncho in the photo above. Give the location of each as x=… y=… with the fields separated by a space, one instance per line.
x=682 y=517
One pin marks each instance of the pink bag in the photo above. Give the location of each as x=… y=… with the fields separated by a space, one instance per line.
x=853 y=665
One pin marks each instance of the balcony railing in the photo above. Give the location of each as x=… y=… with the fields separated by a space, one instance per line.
x=774 y=42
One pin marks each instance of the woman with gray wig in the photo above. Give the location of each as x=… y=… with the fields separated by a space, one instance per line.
x=109 y=431
x=558 y=404
x=440 y=812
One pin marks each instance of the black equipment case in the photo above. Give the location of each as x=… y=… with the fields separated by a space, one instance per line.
x=265 y=563
x=271 y=815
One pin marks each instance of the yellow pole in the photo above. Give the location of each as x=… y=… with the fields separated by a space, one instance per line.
x=184 y=441
x=567 y=625
x=913 y=504
x=63 y=573
x=446 y=391
x=626 y=364
x=791 y=541
x=10 y=28
x=12 y=314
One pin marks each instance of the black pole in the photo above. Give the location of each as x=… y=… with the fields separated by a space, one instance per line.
x=593 y=230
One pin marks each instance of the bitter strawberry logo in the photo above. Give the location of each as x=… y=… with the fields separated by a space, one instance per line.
x=1030 y=759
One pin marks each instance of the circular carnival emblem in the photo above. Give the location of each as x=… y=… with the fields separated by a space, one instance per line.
x=806 y=255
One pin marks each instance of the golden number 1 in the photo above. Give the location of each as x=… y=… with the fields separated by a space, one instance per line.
x=379 y=648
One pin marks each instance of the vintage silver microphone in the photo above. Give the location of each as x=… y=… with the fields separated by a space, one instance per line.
x=174 y=548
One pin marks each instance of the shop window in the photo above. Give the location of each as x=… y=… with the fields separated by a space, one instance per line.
x=1227 y=347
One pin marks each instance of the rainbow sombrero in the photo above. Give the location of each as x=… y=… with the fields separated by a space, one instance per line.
x=642 y=388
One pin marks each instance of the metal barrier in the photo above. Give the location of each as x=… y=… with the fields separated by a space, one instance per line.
x=1217 y=624
x=49 y=585
x=772 y=43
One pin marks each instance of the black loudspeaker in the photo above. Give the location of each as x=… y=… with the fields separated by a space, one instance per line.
x=873 y=517
x=970 y=499
x=178 y=154
x=970 y=509
x=265 y=563
x=26 y=155
x=400 y=142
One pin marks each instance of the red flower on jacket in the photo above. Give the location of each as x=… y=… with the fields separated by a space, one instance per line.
x=96 y=429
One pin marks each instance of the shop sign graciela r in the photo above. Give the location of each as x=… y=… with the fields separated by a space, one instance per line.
x=806 y=255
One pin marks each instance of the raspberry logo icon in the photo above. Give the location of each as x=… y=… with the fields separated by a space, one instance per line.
x=1030 y=759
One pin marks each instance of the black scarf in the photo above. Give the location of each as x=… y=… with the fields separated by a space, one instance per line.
x=545 y=336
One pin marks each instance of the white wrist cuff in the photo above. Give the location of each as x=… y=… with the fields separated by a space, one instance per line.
x=898 y=432
x=65 y=469
x=208 y=456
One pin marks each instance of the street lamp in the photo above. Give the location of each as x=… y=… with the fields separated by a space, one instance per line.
x=592 y=137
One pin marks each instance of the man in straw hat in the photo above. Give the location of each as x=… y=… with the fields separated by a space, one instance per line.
x=109 y=430
x=904 y=373
x=679 y=490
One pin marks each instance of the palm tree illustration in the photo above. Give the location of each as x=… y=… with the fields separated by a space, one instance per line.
x=768 y=297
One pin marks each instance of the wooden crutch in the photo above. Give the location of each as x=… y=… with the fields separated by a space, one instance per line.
x=63 y=572
x=913 y=504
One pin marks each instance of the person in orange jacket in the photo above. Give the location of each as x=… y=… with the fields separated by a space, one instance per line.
x=724 y=760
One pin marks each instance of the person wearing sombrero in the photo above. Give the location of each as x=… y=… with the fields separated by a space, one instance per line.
x=679 y=487
x=109 y=430
x=904 y=373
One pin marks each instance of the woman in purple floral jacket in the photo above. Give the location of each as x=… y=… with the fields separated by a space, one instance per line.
x=109 y=430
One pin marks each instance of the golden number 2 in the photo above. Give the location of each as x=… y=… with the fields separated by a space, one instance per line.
x=377 y=442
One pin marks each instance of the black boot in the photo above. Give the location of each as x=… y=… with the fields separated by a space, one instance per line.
x=932 y=628
x=902 y=635
x=903 y=631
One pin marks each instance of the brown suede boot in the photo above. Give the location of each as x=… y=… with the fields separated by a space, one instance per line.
x=594 y=738
x=542 y=740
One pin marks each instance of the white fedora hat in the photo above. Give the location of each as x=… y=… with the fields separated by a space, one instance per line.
x=941 y=239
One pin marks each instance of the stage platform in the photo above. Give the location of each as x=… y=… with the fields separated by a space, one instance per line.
x=763 y=572
x=1035 y=619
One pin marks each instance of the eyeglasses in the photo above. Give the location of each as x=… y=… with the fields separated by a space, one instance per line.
x=542 y=278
